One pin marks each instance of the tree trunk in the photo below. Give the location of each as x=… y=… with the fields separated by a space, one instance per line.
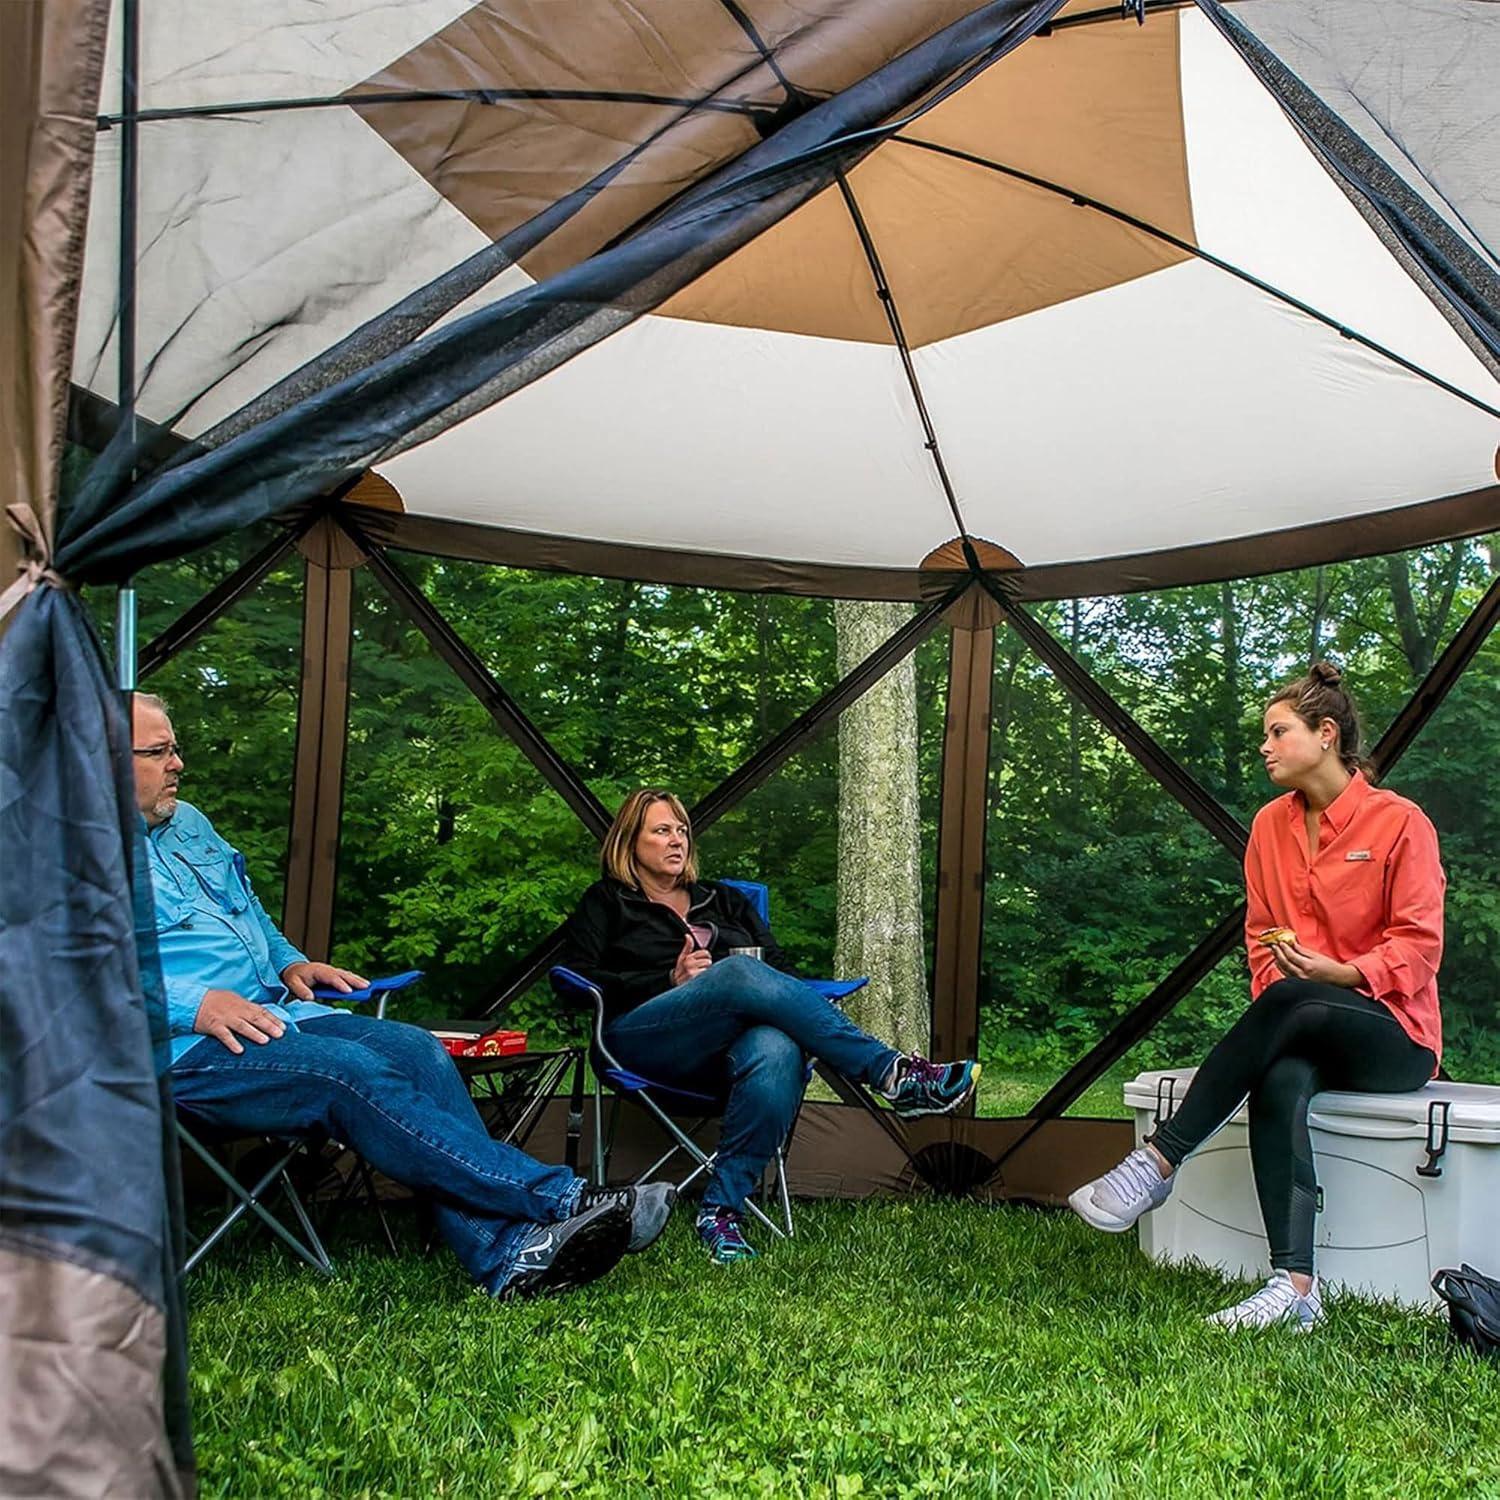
x=1419 y=637
x=1229 y=624
x=611 y=675
x=1015 y=649
x=1322 y=591
x=880 y=836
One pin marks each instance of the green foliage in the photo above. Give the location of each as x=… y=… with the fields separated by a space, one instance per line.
x=1099 y=883
x=899 y=1348
x=232 y=695
x=456 y=857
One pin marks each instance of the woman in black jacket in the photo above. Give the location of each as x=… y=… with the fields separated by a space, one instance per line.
x=685 y=1010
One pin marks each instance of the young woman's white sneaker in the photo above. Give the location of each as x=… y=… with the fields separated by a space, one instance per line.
x=1278 y=1301
x=1115 y=1201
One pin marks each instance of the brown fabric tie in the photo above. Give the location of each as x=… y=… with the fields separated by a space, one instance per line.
x=36 y=567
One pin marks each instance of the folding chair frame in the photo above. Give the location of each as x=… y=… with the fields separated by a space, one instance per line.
x=639 y=1089
x=251 y=1199
x=623 y=1082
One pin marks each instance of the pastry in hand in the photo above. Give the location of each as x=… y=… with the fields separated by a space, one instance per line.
x=1273 y=935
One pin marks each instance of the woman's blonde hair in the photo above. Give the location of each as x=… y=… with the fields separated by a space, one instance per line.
x=617 y=856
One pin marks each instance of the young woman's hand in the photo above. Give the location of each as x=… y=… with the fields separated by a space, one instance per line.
x=691 y=962
x=1297 y=962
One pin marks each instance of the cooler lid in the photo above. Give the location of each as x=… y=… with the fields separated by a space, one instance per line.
x=1473 y=1108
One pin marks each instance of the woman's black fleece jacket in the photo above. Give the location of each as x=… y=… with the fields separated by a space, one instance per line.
x=628 y=945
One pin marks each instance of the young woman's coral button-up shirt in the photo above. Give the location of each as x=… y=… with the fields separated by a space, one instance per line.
x=1372 y=897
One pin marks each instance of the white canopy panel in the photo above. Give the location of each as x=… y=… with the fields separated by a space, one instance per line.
x=1178 y=408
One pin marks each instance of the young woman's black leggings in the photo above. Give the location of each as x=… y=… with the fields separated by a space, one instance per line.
x=1297 y=1039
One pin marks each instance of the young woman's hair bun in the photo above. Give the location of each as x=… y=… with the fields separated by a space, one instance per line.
x=1326 y=672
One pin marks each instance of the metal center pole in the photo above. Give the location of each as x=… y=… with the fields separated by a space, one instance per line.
x=130 y=53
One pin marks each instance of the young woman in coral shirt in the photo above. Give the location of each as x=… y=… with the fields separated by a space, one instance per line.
x=1345 y=932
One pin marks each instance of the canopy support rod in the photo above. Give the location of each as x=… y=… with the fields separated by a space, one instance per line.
x=130 y=116
x=737 y=13
x=1112 y=13
x=898 y=333
x=759 y=768
x=1118 y=721
x=189 y=625
x=1135 y=1023
x=776 y=752
x=1131 y=1027
x=1082 y=200
x=508 y=715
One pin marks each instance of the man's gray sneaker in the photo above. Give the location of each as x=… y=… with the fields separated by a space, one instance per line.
x=649 y=1207
x=1277 y=1302
x=1115 y=1201
x=557 y=1257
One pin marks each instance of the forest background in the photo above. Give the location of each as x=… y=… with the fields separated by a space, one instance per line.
x=456 y=857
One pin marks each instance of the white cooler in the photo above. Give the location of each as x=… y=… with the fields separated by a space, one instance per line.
x=1409 y=1183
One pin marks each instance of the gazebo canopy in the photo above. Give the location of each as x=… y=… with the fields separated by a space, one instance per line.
x=859 y=298
x=792 y=296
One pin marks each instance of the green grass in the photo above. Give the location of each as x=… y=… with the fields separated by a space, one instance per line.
x=898 y=1348
x=1012 y=1091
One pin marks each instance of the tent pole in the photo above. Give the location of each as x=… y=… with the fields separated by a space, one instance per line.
x=775 y=753
x=1151 y=757
x=130 y=51
x=1440 y=680
x=322 y=736
x=197 y=618
x=125 y=629
x=958 y=921
x=508 y=715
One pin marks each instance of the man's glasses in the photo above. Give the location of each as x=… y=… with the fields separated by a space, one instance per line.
x=158 y=752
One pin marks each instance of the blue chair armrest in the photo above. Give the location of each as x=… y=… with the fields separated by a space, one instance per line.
x=838 y=989
x=568 y=984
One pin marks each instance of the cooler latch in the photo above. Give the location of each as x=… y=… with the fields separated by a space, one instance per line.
x=1437 y=1138
x=1166 y=1098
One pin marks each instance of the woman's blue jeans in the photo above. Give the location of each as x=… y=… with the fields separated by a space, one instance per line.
x=745 y=1030
x=390 y=1092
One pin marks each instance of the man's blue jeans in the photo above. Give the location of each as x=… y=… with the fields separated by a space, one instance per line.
x=390 y=1092
x=744 y=1029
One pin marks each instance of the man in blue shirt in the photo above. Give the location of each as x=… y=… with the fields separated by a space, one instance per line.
x=252 y=1051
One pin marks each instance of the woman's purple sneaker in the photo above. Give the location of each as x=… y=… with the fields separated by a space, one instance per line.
x=720 y=1231
x=931 y=1088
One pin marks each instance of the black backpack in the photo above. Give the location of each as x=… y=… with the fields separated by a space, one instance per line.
x=1473 y=1308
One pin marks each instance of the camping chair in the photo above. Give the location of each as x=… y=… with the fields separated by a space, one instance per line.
x=250 y=1195
x=662 y=1099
